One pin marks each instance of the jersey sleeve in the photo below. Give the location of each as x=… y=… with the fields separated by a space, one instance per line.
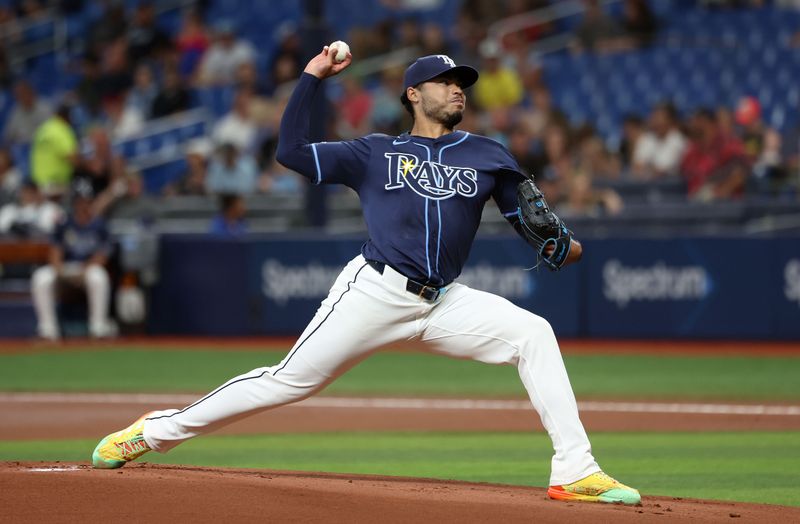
x=341 y=162
x=507 y=177
x=324 y=162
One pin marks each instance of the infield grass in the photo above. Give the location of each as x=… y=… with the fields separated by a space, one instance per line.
x=743 y=466
x=409 y=374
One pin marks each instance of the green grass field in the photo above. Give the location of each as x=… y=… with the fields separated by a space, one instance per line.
x=608 y=376
x=744 y=466
x=748 y=467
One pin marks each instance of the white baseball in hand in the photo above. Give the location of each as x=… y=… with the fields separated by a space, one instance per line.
x=339 y=50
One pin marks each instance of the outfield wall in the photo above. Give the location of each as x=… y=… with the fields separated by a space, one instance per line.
x=645 y=288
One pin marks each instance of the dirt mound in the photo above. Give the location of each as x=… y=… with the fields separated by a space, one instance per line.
x=62 y=492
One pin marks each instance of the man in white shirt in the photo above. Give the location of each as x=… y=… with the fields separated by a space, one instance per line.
x=659 y=152
x=31 y=216
x=238 y=127
x=224 y=57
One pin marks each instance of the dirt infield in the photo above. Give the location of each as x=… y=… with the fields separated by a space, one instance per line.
x=58 y=492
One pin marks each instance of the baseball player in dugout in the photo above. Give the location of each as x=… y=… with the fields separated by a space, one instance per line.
x=422 y=195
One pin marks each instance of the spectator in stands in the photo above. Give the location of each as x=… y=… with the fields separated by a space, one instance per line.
x=10 y=176
x=78 y=255
x=639 y=24
x=31 y=216
x=123 y=121
x=284 y=71
x=232 y=172
x=192 y=41
x=88 y=88
x=387 y=111
x=237 y=127
x=115 y=70
x=275 y=178
x=433 y=41
x=715 y=166
x=29 y=113
x=230 y=223
x=131 y=201
x=597 y=32
x=409 y=33
x=660 y=150
x=54 y=153
x=173 y=96
x=632 y=132
x=247 y=78
x=554 y=166
x=108 y=26
x=583 y=199
x=541 y=112
x=592 y=159
x=193 y=180
x=498 y=86
x=725 y=122
x=285 y=64
x=354 y=108
x=101 y=166
x=521 y=145
x=499 y=123
x=224 y=56
x=144 y=91
x=762 y=145
x=145 y=39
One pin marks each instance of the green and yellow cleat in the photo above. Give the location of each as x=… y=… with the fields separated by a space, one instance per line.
x=597 y=487
x=117 y=449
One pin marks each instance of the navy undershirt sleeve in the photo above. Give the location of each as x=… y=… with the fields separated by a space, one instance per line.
x=324 y=162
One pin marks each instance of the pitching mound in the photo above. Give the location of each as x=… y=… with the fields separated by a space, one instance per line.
x=61 y=492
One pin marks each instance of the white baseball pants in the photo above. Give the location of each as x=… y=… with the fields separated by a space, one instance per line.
x=43 y=290
x=366 y=310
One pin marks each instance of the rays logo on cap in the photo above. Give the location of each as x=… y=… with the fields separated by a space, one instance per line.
x=430 y=179
x=447 y=60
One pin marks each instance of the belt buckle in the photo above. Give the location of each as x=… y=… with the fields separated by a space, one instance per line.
x=424 y=288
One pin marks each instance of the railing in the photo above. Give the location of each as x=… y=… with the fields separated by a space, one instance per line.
x=163 y=139
x=506 y=26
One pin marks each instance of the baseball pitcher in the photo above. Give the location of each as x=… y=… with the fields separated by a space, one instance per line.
x=422 y=194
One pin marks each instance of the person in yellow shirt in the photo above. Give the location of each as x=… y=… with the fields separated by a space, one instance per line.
x=499 y=86
x=54 y=153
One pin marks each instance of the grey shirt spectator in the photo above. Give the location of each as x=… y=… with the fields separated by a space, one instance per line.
x=28 y=114
x=232 y=173
x=224 y=57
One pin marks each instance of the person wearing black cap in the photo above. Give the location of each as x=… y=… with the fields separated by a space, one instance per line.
x=423 y=194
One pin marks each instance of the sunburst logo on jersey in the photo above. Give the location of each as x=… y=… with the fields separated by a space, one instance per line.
x=406 y=165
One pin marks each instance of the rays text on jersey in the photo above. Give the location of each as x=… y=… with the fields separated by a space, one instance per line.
x=430 y=179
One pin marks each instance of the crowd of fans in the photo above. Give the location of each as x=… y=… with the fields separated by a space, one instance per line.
x=132 y=72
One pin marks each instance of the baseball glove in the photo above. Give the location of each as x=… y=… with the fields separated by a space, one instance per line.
x=541 y=227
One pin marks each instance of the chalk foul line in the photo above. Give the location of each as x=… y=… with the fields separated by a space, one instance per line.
x=178 y=400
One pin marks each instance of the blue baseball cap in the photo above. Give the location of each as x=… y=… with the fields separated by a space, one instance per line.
x=431 y=66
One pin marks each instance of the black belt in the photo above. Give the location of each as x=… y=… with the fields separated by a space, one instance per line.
x=429 y=293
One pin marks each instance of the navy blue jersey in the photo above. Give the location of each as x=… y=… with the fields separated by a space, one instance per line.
x=422 y=197
x=80 y=242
